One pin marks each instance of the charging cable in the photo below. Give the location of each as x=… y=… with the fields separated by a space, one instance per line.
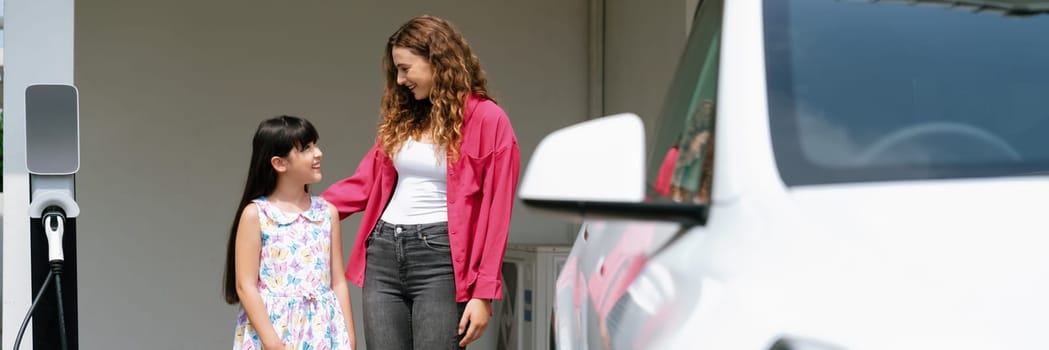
x=53 y=219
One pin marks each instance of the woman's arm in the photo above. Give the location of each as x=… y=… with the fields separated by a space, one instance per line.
x=499 y=186
x=350 y=195
x=338 y=276
x=248 y=249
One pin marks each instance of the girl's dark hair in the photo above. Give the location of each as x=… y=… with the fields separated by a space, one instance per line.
x=275 y=137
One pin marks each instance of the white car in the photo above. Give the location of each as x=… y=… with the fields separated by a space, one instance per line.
x=879 y=178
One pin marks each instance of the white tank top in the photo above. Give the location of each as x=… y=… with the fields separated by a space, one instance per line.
x=421 y=193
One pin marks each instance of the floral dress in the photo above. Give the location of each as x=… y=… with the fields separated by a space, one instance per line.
x=295 y=281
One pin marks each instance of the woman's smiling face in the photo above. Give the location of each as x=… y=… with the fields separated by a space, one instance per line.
x=413 y=72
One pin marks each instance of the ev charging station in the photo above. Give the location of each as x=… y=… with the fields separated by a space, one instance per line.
x=52 y=158
x=41 y=157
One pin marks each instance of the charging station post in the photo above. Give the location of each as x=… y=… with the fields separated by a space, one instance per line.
x=52 y=159
x=38 y=51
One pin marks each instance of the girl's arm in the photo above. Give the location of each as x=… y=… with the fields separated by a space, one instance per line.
x=248 y=249
x=338 y=276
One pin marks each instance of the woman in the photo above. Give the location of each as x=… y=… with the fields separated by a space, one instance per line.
x=436 y=190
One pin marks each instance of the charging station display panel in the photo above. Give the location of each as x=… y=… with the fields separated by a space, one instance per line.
x=52 y=129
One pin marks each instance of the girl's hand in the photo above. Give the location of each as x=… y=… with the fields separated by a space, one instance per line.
x=273 y=345
x=476 y=316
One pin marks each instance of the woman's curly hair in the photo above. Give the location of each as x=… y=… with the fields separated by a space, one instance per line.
x=456 y=74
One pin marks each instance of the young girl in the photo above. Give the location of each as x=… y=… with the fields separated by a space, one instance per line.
x=284 y=259
x=436 y=190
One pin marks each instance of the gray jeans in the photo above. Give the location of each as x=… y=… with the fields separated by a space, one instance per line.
x=409 y=289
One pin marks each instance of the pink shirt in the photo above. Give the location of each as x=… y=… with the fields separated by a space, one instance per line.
x=481 y=187
x=666 y=172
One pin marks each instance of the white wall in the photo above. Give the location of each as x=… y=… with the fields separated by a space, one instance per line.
x=171 y=92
